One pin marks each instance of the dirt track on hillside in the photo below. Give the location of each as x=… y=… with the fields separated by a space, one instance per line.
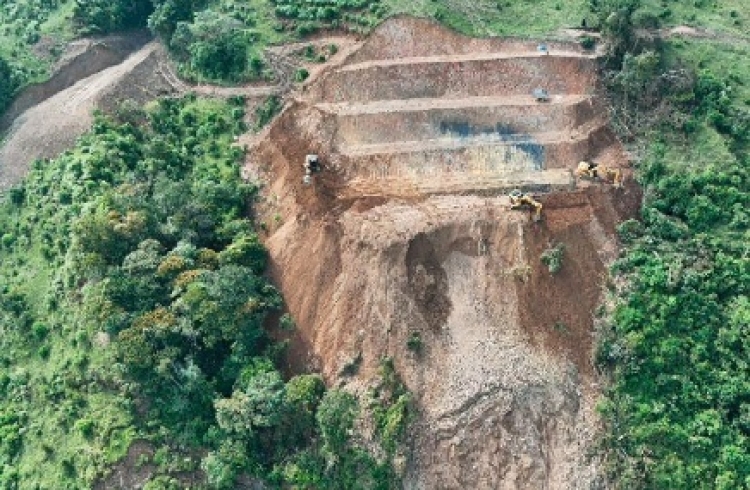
x=46 y=120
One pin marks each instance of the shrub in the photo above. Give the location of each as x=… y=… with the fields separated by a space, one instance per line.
x=85 y=427
x=44 y=352
x=301 y=75
x=9 y=83
x=8 y=240
x=630 y=230
x=336 y=415
x=18 y=193
x=553 y=258
x=414 y=343
x=587 y=42
x=286 y=322
x=40 y=330
x=267 y=111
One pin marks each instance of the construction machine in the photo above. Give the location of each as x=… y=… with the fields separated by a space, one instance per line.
x=311 y=166
x=591 y=170
x=540 y=95
x=519 y=200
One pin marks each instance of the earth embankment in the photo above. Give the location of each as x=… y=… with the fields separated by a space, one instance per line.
x=53 y=125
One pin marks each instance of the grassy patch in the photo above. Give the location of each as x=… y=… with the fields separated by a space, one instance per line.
x=727 y=16
x=497 y=18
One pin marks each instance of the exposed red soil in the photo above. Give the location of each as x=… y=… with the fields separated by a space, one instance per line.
x=407 y=229
x=557 y=310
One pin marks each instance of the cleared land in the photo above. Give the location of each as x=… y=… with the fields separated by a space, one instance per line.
x=407 y=231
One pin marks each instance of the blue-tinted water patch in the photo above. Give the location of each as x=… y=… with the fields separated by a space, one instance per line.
x=534 y=151
x=499 y=132
x=464 y=130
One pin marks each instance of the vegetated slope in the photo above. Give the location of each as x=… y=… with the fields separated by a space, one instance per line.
x=132 y=310
x=63 y=285
x=447 y=281
x=676 y=410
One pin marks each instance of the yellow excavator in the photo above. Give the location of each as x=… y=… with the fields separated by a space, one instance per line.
x=519 y=200
x=590 y=170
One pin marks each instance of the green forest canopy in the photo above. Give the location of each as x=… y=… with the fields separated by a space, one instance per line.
x=132 y=308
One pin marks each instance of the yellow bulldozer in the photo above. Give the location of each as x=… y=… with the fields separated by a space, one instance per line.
x=590 y=170
x=519 y=200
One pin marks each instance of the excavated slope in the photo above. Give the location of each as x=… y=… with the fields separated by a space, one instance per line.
x=407 y=230
x=54 y=124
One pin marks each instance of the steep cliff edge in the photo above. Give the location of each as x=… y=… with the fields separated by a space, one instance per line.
x=406 y=232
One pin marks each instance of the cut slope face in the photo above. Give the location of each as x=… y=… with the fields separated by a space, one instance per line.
x=406 y=230
x=417 y=106
x=53 y=125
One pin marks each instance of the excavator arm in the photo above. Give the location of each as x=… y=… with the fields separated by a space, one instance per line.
x=519 y=201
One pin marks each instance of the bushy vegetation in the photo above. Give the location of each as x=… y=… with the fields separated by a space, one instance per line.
x=267 y=110
x=23 y=23
x=8 y=84
x=307 y=17
x=553 y=258
x=678 y=339
x=25 y=19
x=103 y=16
x=133 y=306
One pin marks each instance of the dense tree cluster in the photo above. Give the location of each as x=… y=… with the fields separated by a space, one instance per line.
x=678 y=409
x=103 y=16
x=8 y=84
x=142 y=232
x=222 y=41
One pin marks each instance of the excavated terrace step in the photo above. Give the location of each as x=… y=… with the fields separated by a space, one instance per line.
x=419 y=119
x=460 y=183
x=477 y=154
x=480 y=140
x=411 y=105
x=457 y=76
x=461 y=58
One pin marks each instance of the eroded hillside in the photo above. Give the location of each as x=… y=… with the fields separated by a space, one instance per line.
x=406 y=233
